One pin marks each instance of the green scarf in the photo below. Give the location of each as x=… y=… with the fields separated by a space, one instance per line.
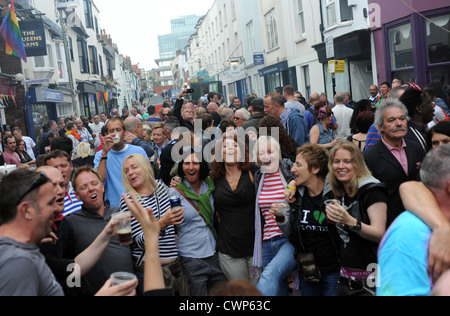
x=203 y=202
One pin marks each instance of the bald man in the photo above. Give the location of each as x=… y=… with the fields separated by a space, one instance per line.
x=212 y=107
x=373 y=94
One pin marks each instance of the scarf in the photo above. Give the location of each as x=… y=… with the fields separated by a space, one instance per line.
x=203 y=202
x=74 y=134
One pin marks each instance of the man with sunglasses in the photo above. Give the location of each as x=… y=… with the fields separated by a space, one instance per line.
x=25 y=220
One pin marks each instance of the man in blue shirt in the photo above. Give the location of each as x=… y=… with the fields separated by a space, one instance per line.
x=403 y=254
x=109 y=161
x=291 y=119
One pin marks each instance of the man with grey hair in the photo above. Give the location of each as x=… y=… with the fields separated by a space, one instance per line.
x=134 y=111
x=403 y=258
x=134 y=135
x=343 y=116
x=394 y=159
x=373 y=135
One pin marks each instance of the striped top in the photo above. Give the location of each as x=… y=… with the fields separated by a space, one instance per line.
x=71 y=203
x=272 y=192
x=167 y=246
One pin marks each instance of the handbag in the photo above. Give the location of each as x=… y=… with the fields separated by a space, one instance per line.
x=307 y=264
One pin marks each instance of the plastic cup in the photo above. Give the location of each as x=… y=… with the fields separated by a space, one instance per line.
x=122 y=277
x=116 y=138
x=282 y=209
x=330 y=203
x=124 y=227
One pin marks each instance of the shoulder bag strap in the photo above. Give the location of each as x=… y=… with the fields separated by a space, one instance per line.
x=192 y=203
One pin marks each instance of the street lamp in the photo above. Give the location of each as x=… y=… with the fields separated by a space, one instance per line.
x=61 y=7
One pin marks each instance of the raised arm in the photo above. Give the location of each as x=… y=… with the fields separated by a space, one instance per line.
x=420 y=201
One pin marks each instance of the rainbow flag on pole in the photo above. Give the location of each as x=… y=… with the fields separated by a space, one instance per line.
x=11 y=32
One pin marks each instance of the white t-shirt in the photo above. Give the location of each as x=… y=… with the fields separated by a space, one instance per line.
x=343 y=115
x=30 y=145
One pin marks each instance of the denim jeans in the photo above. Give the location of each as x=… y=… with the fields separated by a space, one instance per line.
x=328 y=285
x=278 y=264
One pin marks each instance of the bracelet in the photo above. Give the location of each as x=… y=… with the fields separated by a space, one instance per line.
x=290 y=188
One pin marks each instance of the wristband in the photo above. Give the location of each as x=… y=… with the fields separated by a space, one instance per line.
x=290 y=188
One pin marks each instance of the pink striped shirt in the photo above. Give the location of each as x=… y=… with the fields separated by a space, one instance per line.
x=271 y=192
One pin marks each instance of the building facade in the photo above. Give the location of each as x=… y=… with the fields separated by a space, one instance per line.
x=412 y=41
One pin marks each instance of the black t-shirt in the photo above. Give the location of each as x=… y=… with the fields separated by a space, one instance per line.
x=315 y=235
x=357 y=252
x=236 y=210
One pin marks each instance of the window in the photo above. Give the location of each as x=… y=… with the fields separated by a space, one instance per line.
x=101 y=65
x=83 y=56
x=307 y=81
x=71 y=49
x=233 y=10
x=346 y=11
x=93 y=60
x=422 y=52
x=88 y=14
x=96 y=26
x=437 y=31
x=272 y=32
x=330 y=9
x=301 y=18
x=337 y=11
x=251 y=37
x=51 y=59
x=438 y=39
x=59 y=61
x=401 y=46
x=39 y=61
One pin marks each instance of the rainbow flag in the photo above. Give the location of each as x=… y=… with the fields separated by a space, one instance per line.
x=11 y=32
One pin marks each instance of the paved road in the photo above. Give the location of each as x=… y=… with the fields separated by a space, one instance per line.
x=158 y=100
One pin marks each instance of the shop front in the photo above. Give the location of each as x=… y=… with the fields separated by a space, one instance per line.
x=96 y=98
x=42 y=106
x=355 y=49
x=278 y=76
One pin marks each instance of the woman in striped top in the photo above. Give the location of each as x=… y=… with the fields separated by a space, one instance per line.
x=272 y=252
x=138 y=178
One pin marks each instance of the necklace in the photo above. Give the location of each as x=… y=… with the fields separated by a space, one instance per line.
x=231 y=178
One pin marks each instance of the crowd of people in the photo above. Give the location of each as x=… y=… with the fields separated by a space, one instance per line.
x=287 y=195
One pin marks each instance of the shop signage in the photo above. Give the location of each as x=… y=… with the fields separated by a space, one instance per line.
x=258 y=59
x=33 y=36
x=48 y=95
x=336 y=66
x=329 y=47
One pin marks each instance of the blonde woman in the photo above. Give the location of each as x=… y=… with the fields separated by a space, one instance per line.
x=360 y=219
x=138 y=178
x=272 y=250
x=84 y=156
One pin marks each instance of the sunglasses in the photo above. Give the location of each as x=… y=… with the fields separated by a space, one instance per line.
x=37 y=183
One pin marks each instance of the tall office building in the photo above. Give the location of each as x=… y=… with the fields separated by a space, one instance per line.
x=181 y=30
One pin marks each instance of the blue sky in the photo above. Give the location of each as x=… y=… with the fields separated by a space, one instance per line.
x=135 y=24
